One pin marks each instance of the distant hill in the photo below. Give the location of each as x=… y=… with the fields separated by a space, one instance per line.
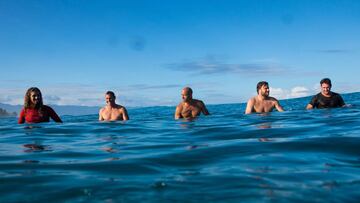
x=76 y=110
x=61 y=110
x=3 y=112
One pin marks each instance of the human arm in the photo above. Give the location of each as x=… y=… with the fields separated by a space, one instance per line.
x=249 y=106
x=100 y=115
x=204 y=109
x=278 y=106
x=341 y=102
x=53 y=115
x=309 y=106
x=21 y=119
x=312 y=103
x=125 y=115
x=178 y=112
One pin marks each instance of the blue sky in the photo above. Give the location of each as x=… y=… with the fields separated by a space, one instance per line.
x=146 y=51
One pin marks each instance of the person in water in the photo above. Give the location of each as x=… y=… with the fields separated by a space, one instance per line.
x=262 y=103
x=189 y=107
x=326 y=98
x=34 y=110
x=112 y=111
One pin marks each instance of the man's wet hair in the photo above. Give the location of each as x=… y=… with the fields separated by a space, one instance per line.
x=260 y=84
x=326 y=81
x=111 y=93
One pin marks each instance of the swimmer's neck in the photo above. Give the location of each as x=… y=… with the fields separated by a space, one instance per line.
x=34 y=106
x=111 y=105
x=190 y=102
x=327 y=95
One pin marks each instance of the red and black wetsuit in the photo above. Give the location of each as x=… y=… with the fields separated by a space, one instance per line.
x=36 y=116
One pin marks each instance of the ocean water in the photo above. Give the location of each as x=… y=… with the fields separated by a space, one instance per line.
x=294 y=156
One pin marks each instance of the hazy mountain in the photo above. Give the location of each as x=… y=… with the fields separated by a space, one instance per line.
x=3 y=112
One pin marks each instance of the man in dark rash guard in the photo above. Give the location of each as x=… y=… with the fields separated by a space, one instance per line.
x=34 y=110
x=326 y=98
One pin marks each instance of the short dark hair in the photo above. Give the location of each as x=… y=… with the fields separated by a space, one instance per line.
x=326 y=81
x=111 y=93
x=260 y=84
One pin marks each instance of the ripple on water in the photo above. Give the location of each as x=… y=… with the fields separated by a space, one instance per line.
x=295 y=156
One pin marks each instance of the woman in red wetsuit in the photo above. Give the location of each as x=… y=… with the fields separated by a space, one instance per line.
x=34 y=110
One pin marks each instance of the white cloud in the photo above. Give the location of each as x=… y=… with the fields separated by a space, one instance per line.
x=64 y=95
x=279 y=93
x=299 y=91
x=212 y=64
x=295 y=92
x=88 y=95
x=316 y=87
x=12 y=95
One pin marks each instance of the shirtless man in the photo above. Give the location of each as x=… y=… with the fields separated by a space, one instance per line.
x=112 y=111
x=326 y=98
x=262 y=103
x=189 y=107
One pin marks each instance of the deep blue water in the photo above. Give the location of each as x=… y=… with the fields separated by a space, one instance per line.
x=294 y=156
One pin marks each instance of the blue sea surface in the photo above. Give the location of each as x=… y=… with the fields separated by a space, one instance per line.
x=292 y=156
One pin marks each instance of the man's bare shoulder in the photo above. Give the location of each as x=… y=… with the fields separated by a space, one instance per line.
x=273 y=99
x=119 y=106
x=102 y=109
x=180 y=105
x=252 y=100
x=198 y=102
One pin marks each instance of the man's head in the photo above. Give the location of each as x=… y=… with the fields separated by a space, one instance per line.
x=186 y=94
x=325 y=85
x=110 y=98
x=262 y=88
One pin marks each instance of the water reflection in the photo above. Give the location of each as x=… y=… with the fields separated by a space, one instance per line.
x=36 y=148
x=263 y=126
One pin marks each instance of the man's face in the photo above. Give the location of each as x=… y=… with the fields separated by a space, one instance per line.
x=325 y=89
x=264 y=91
x=34 y=97
x=185 y=95
x=109 y=99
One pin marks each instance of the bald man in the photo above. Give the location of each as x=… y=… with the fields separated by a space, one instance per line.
x=189 y=107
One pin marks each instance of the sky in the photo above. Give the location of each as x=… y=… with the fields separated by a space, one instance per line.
x=147 y=51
